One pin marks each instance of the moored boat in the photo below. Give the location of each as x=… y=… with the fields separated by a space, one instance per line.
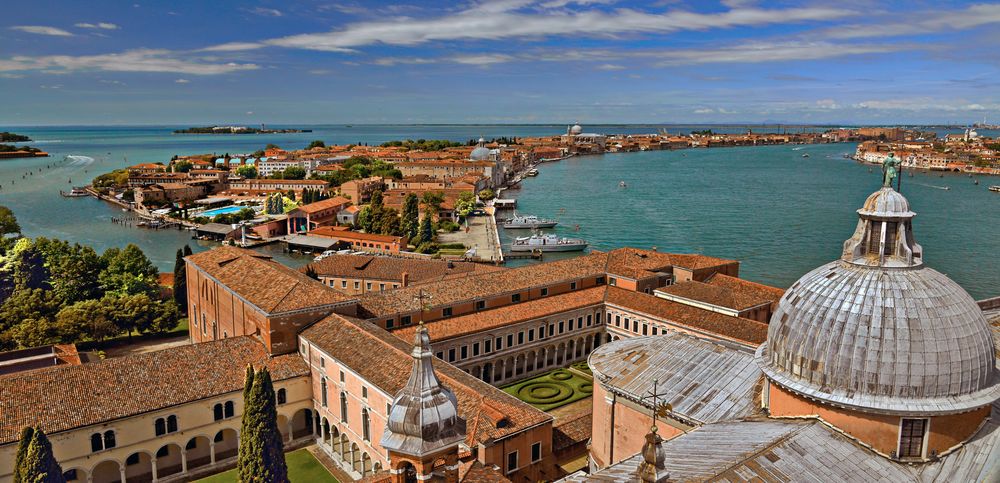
x=532 y=172
x=528 y=221
x=547 y=243
x=995 y=188
x=75 y=192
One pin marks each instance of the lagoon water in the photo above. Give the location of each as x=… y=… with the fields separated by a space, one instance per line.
x=777 y=212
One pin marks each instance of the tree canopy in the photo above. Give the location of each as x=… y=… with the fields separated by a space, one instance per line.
x=261 y=452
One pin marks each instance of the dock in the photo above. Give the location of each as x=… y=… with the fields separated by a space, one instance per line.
x=505 y=204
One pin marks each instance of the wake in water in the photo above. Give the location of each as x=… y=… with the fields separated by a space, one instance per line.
x=935 y=187
x=47 y=141
x=76 y=160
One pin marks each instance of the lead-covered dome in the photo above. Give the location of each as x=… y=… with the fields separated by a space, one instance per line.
x=877 y=331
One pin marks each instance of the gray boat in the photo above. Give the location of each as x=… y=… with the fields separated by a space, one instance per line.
x=547 y=243
x=528 y=221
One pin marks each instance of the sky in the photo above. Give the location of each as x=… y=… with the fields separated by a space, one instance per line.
x=68 y=62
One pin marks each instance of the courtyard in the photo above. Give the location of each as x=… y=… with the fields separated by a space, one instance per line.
x=556 y=388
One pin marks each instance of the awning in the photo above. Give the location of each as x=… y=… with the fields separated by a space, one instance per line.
x=216 y=228
x=315 y=242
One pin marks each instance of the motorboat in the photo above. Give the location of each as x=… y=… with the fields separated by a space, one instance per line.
x=995 y=188
x=805 y=155
x=528 y=221
x=531 y=173
x=621 y=184
x=76 y=192
x=547 y=243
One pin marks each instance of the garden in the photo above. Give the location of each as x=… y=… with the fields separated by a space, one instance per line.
x=556 y=388
x=302 y=466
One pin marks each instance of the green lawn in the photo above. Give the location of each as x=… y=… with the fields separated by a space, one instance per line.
x=553 y=389
x=302 y=467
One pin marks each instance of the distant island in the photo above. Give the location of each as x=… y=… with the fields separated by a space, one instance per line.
x=9 y=137
x=8 y=151
x=236 y=130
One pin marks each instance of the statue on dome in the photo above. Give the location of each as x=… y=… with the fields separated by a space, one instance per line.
x=889 y=170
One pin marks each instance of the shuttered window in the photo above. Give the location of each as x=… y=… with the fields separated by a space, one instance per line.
x=911 y=438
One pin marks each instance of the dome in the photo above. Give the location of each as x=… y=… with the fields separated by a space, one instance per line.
x=887 y=202
x=576 y=129
x=879 y=332
x=480 y=153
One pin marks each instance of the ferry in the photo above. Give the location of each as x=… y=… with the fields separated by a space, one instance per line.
x=547 y=243
x=995 y=188
x=528 y=221
x=531 y=173
x=76 y=192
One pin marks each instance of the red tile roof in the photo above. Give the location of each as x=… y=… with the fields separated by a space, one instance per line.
x=268 y=285
x=332 y=232
x=720 y=296
x=66 y=397
x=636 y=264
x=388 y=268
x=324 y=204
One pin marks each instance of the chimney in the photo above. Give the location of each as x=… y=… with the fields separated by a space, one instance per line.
x=406 y=279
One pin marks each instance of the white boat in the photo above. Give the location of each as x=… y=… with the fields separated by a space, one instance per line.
x=528 y=221
x=995 y=188
x=806 y=155
x=547 y=243
x=532 y=172
x=621 y=184
x=76 y=192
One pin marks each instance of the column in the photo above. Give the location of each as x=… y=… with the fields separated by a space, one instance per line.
x=121 y=469
x=153 y=463
x=211 y=451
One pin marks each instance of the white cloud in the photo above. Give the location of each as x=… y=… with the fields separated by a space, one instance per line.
x=754 y=52
x=182 y=81
x=233 y=47
x=925 y=104
x=827 y=104
x=611 y=67
x=919 y=23
x=486 y=59
x=496 y=20
x=265 y=12
x=99 y=25
x=141 y=60
x=11 y=76
x=704 y=111
x=42 y=30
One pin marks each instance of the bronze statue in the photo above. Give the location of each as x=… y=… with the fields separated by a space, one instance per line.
x=889 y=170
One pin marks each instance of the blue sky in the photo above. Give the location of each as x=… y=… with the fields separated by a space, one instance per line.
x=502 y=61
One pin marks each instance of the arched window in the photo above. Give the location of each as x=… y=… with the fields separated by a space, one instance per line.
x=219 y=437
x=217 y=412
x=365 y=427
x=96 y=442
x=229 y=409
x=171 y=424
x=282 y=396
x=109 y=439
x=322 y=389
x=343 y=407
x=160 y=426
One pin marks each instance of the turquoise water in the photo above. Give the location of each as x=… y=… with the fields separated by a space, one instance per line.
x=779 y=213
x=220 y=211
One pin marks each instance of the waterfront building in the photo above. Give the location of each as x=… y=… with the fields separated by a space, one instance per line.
x=362 y=242
x=276 y=185
x=875 y=367
x=358 y=274
x=321 y=213
x=147 y=168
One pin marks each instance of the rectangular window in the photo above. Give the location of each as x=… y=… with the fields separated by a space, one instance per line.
x=645 y=328
x=560 y=327
x=381 y=287
x=600 y=280
x=357 y=285
x=475 y=349
x=515 y=298
x=612 y=281
x=446 y=312
x=590 y=320
x=498 y=342
x=487 y=346
x=635 y=326
x=368 y=285
x=541 y=332
x=572 y=285
x=911 y=438
x=465 y=352
x=552 y=330
x=599 y=314
x=480 y=304
x=404 y=320
x=536 y=452
x=618 y=321
x=510 y=340
x=322 y=362
x=512 y=462
x=343 y=284
x=451 y=355
x=545 y=291
x=520 y=337
x=579 y=322
x=364 y=392
x=389 y=324
x=439 y=355
x=343 y=377
x=531 y=335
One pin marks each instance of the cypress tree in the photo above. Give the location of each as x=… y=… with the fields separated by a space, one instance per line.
x=262 y=456
x=38 y=465
x=180 y=281
x=22 y=451
x=426 y=230
x=187 y=250
x=411 y=217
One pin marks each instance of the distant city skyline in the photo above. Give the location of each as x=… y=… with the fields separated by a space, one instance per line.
x=503 y=61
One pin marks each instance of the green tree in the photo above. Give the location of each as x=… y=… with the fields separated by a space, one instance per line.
x=22 y=451
x=72 y=270
x=487 y=194
x=8 y=222
x=247 y=171
x=131 y=313
x=261 y=453
x=29 y=303
x=465 y=204
x=166 y=316
x=180 y=280
x=365 y=219
x=387 y=222
x=272 y=146
x=183 y=166
x=128 y=272
x=294 y=172
x=432 y=201
x=87 y=319
x=311 y=272
x=410 y=224
x=426 y=229
x=376 y=201
x=23 y=268
x=316 y=144
x=38 y=465
x=35 y=333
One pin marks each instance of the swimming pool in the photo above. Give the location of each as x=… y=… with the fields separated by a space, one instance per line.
x=223 y=210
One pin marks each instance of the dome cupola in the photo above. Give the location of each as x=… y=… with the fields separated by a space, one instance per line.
x=481 y=152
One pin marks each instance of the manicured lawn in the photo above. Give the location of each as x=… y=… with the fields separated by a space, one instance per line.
x=302 y=467
x=553 y=389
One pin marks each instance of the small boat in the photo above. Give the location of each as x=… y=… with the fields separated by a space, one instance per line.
x=532 y=173
x=621 y=184
x=528 y=221
x=547 y=243
x=995 y=188
x=805 y=155
x=76 y=192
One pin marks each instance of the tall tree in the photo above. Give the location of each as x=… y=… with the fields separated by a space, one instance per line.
x=261 y=455
x=311 y=272
x=129 y=272
x=426 y=229
x=8 y=223
x=180 y=281
x=22 y=451
x=411 y=216
x=73 y=269
x=39 y=466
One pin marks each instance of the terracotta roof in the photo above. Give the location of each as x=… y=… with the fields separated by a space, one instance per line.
x=65 y=397
x=445 y=329
x=448 y=292
x=720 y=296
x=570 y=431
x=324 y=204
x=747 y=287
x=385 y=361
x=735 y=328
x=332 y=232
x=268 y=285
x=636 y=263
x=386 y=268
x=476 y=472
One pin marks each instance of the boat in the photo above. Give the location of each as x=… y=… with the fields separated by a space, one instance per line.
x=995 y=188
x=528 y=221
x=547 y=243
x=805 y=155
x=75 y=192
x=621 y=184
x=531 y=173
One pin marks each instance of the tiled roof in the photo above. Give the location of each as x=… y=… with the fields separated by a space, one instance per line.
x=385 y=361
x=718 y=295
x=445 y=329
x=448 y=292
x=65 y=397
x=746 y=287
x=387 y=268
x=268 y=285
x=333 y=232
x=476 y=472
x=324 y=204
x=736 y=328
x=571 y=431
x=636 y=263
